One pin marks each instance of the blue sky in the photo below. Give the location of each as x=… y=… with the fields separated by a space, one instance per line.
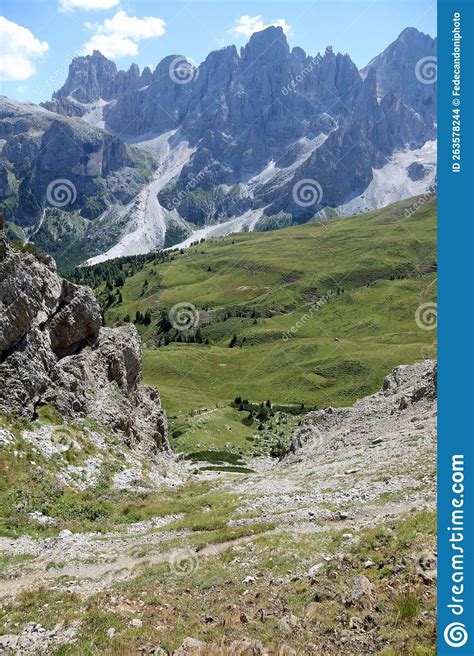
x=38 y=38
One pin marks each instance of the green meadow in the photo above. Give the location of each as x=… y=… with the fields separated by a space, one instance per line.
x=307 y=317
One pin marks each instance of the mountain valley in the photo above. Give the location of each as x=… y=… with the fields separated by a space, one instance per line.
x=218 y=377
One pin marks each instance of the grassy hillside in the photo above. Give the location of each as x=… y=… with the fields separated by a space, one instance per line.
x=317 y=315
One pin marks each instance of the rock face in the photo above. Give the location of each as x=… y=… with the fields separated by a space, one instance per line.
x=94 y=76
x=395 y=66
x=53 y=350
x=408 y=393
x=317 y=115
x=314 y=117
x=43 y=149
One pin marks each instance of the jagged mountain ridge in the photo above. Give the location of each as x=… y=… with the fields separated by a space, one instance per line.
x=99 y=78
x=251 y=125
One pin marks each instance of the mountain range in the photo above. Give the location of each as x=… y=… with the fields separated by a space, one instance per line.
x=127 y=162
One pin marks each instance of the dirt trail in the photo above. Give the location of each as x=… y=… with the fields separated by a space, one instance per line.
x=102 y=575
x=89 y=578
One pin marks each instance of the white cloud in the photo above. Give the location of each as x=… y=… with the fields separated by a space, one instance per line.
x=247 y=25
x=112 y=46
x=135 y=28
x=119 y=36
x=18 y=50
x=94 y=5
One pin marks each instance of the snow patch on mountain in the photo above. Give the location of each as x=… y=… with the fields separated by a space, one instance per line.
x=392 y=182
x=244 y=222
x=272 y=171
x=146 y=216
x=95 y=113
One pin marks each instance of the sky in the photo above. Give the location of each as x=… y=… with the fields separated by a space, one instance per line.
x=39 y=38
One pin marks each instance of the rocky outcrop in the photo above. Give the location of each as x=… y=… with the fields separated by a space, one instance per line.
x=65 y=106
x=54 y=350
x=245 y=113
x=408 y=394
x=5 y=182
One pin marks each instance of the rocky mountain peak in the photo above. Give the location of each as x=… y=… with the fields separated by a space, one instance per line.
x=161 y=74
x=409 y=64
x=269 y=44
x=146 y=76
x=412 y=35
x=238 y=114
x=220 y=59
x=299 y=55
x=90 y=78
x=94 y=77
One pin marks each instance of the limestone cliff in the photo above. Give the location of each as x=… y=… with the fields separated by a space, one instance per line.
x=54 y=350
